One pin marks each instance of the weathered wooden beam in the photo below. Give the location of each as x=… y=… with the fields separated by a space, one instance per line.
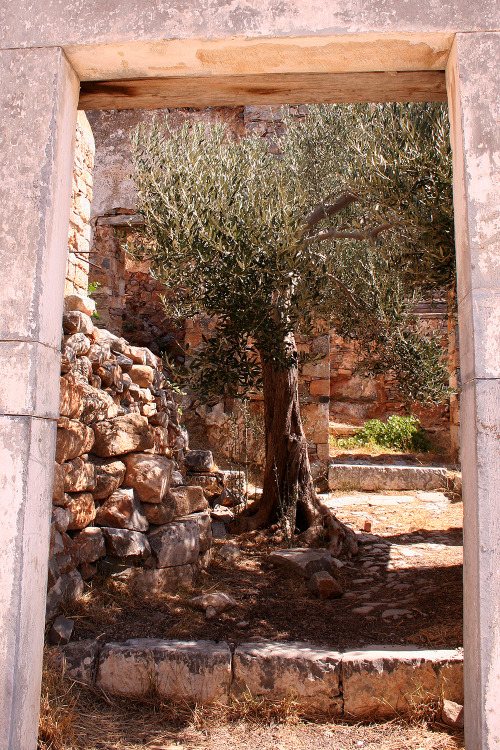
x=278 y=88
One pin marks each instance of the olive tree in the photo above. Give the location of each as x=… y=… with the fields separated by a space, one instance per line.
x=334 y=227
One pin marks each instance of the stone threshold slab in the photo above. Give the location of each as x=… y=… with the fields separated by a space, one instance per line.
x=376 y=477
x=378 y=681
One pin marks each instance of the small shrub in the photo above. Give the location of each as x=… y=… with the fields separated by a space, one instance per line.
x=398 y=433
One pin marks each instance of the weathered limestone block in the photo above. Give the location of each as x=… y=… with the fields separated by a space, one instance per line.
x=161 y=440
x=389 y=681
x=319 y=369
x=217 y=600
x=199 y=461
x=76 y=302
x=159 y=418
x=97 y=405
x=176 y=543
x=372 y=478
x=198 y=671
x=78 y=342
x=73 y=439
x=90 y=544
x=278 y=670
x=179 y=501
x=302 y=560
x=122 y=510
x=132 y=545
x=109 y=475
x=142 y=375
x=67 y=558
x=148 y=475
x=61 y=518
x=77 y=660
x=61 y=631
x=111 y=375
x=78 y=475
x=83 y=367
x=120 y=435
x=204 y=522
x=98 y=354
x=70 y=397
x=77 y=322
x=158 y=580
x=68 y=358
x=58 y=486
x=212 y=484
x=81 y=509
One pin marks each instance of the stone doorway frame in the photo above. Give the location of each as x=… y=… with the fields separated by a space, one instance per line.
x=247 y=48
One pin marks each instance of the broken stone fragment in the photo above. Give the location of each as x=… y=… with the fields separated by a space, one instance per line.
x=212 y=484
x=61 y=518
x=70 y=397
x=452 y=714
x=161 y=441
x=58 y=486
x=122 y=510
x=302 y=560
x=148 y=475
x=61 y=631
x=132 y=545
x=218 y=601
x=81 y=509
x=179 y=501
x=78 y=475
x=109 y=475
x=177 y=480
x=221 y=513
x=73 y=439
x=97 y=405
x=142 y=375
x=98 y=354
x=199 y=461
x=77 y=660
x=83 y=369
x=78 y=342
x=77 y=322
x=121 y=435
x=176 y=543
x=90 y=544
x=111 y=375
x=204 y=528
x=323 y=585
x=135 y=353
x=68 y=358
x=79 y=303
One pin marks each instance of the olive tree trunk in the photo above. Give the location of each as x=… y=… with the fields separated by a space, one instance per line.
x=288 y=495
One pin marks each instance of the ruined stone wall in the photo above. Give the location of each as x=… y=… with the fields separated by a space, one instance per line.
x=77 y=265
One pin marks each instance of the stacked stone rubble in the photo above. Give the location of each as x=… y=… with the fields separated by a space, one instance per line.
x=119 y=498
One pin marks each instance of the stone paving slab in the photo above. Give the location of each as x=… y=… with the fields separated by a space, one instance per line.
x=375 y=477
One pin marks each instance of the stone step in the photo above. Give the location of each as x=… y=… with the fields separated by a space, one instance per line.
x=341 y=430
x=376 y=477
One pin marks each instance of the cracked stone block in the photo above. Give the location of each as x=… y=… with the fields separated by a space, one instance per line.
x=196 y=671
x=148 y=475
x=176 y=543
x=77 y=660
x=302 y=560
x=386 y=682
x=277 y=670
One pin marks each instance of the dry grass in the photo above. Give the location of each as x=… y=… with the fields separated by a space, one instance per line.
x=75 y=717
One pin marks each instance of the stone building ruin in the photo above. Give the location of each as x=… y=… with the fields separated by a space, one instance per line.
x=106 y=56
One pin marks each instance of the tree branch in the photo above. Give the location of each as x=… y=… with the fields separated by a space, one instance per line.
x=346 y=289
x=322 y=212
x=336 y=234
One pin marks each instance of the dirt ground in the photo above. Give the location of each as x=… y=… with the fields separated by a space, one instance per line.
x=79 y=718
x=405 y=586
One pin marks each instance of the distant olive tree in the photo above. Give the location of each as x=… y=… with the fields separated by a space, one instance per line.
x=347 y=224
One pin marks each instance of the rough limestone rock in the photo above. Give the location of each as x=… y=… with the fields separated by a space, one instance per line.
x=61 y=518
x=98 y=354
x=58 y=486
x=122 y=510
x=97 y=405
x=212 y=484
x=142 y=375
x=73 y=439
x=83 y=368
x=78 y=475
x=302 y=560
x=389 y=681
x=278 y=670
x=204 y=528
x=70 y=397
x=79 y=343
x=77 y=660
x=217 y=600
x=148 y=475
x=121 y=435
x=323 y=585
x=132 y=545
x=81 y=510
x=199 y=461
x=90 y=544
x=195 y=671
x=178 y=502
x=77 y=322
x=109 y=475
x=176 y=543
x=452 y=714
x=78 y=303
x=158 y=580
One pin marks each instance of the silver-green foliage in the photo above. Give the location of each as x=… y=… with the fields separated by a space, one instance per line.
x=344 y=225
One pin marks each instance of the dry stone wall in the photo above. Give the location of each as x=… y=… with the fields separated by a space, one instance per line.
x=127 y=491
